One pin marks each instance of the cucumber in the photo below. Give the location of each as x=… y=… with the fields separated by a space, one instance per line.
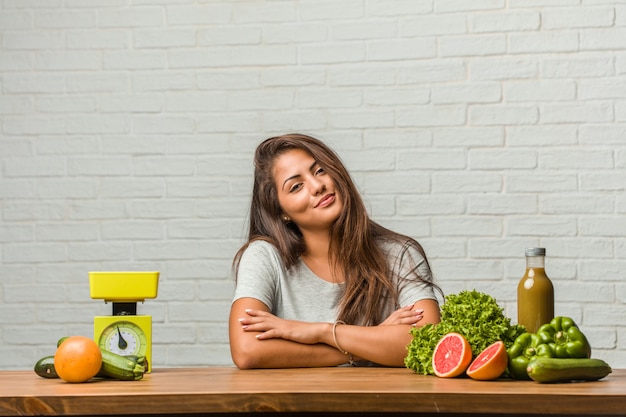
x=120 y=367
x=567 y=369
x=45 y=367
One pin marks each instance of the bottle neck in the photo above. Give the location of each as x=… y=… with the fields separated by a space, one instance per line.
x=535 y=262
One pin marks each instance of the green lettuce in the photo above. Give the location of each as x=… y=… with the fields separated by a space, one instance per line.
x=475 y=315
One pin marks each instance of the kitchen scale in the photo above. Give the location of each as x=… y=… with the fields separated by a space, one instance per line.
x=124 y=332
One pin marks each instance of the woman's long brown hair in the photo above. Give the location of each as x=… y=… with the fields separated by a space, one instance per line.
x=369 y=283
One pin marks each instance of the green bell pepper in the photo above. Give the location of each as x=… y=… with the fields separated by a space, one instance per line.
x=526 y=347
x=565 y=337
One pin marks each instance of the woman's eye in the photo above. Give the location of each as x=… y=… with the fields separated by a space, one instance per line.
x=319 y=171
x=295 y=188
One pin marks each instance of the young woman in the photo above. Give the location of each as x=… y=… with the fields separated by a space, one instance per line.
x=318 y=282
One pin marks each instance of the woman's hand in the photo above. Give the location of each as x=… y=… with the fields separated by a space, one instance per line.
x=272 y=327
x=404 y=315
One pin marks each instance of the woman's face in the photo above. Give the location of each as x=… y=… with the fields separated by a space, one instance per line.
x=306 y=193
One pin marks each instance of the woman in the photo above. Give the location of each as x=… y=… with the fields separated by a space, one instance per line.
x=318 y=282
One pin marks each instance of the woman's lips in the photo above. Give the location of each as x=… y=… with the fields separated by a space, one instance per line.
x=327 y=200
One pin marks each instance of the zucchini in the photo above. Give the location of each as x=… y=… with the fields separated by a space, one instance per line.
x=119 y=367
x=45 y=368
x=567 y=369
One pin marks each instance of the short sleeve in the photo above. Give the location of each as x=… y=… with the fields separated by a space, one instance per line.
x=413 y=275
x=258 y=275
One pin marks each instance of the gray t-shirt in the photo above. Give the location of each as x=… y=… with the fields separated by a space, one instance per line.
x=298 y=294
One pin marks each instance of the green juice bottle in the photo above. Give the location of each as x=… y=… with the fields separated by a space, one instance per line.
x=535 y=292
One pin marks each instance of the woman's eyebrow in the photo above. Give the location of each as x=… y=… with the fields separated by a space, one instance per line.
x=298 y=175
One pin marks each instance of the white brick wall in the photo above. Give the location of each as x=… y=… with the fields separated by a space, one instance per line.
x=479 y=127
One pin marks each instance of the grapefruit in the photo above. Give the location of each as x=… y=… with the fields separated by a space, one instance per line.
x=490 y=363
x=77 y=359
x=452 y=355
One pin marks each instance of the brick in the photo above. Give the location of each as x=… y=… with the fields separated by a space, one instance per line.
x=231 y=122
x=187 y=102
x=339 y=77
x=445 y=70
x=431 y=160
x=580 y=204
x=32 y=210
x=33 y=126
x=196 y=188
x=599 y=89
x=434 y=25
x=236 y=35
x=578 y=66
x=510 y=21
x=34 y=83
x=330 y=10
x=603 y=181
x=501 y=204
x=25 y=40
x=16 y=233
x=399 y=96
x=58 y=232
x=361 y=119
x=16 y=19
x=68 y=60
x=608 y=226
x=97 y=39
x=430 y=205
x=401 y=49
x=65 y=104
x=383 y=138
x=577 y=112
x=540 y=182
x=502 y=114
x=576 y=159
x=377 y=30
x=186 y=15
x=577 y=17
x=105 y=124
x=34 y=167
x=542 y=226
x=134 y=60
x=497 y=68
x=98 y=251
x=99 y=82
x=16 y=105
x=332 y=54
x=462 y=183
x=464 y=93
x=66 y=19
x=603 y=39
x=52 y=188
x=479 y=45
x=446 y=6
x=395 y=183
x=544 y=135
x=398 y=7
x=96 y=166
x=541 y=91
x=420 y=116
x=157 y=38
x=256 y=100
x=132 y=230
x=233 y=79
x=162 y=125
x=266 y=12
x=135 y=17
x=16 y=61
x=198 y=229
x=31 y=252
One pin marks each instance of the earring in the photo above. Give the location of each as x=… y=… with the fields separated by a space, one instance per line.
x=285 y=218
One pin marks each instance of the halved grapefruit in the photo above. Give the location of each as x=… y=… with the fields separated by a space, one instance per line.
x=490 y=363
x=452 y=355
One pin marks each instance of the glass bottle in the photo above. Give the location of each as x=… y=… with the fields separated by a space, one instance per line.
x=535 y=293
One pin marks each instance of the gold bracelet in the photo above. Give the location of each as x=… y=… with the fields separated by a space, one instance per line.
x=345 y=352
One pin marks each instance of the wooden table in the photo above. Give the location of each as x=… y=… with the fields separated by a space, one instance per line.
x=219 y=391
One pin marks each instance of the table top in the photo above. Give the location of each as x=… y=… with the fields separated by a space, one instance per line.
x=329 y=390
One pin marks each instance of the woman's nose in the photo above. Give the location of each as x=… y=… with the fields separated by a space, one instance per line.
x=317 y=186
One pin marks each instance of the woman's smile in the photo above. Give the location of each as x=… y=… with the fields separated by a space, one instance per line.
x=326 y=201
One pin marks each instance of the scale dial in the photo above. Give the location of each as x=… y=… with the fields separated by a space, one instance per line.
x=124 y=338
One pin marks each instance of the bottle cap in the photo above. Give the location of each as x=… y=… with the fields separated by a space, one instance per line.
x=535 y=251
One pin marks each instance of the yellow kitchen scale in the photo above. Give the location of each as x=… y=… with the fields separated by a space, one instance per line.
x=124 y=332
